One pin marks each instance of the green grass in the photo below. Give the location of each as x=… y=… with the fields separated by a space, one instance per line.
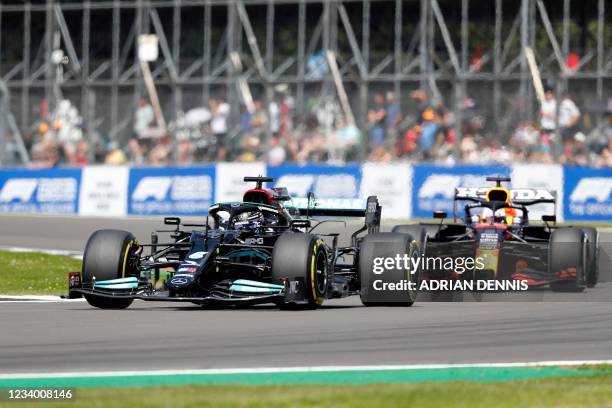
x=587 y=391
x=35 y=274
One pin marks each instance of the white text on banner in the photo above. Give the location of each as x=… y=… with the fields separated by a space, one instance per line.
x=392 y=183
x=542 y=176
x=230 y=185
x=104 y=191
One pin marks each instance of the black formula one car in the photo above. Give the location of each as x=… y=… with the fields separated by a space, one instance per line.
x=261 y=250
x=496 y=228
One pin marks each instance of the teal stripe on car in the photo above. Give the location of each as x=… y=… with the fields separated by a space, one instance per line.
x=257 y=284
x=123 y=283
x=244 y=285
x=248 y=252
x=252 y=289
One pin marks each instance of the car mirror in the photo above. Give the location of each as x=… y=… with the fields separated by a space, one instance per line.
x=439 y=215
x=549 y=218
x=172 y=220
x=300 y=223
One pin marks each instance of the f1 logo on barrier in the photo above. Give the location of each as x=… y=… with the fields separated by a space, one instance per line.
x=592 y=188
x=171 y=190
x=439 y=185
x=336 y=185
x=51 y=191
x=444 y=185
x=18 y=189
x=325 y=181
x=433 y=187
x=587 y=194
x=152 y=187
x=183 y=188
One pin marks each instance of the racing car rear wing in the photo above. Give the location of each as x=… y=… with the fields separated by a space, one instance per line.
x=520 y=196
x=344 y=207
x=331 y=207
x=525 y=196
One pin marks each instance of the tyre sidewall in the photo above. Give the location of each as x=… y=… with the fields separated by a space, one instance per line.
x=105 y=258
x=568 y=249
x=592 y=271
x=387 y=245
x=302 y=256
x=106 y=254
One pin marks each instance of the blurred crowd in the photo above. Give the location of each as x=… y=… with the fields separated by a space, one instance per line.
x=430 y=135
x=272 y=132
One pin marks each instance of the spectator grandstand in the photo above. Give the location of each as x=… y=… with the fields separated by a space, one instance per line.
x=435 y=81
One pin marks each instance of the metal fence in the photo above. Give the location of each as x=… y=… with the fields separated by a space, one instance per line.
x=451 y=49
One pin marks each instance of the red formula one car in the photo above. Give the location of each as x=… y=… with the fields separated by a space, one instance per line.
x=495 y=227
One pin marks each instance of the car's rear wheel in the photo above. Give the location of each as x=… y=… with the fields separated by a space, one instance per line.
x=107 y=256
x=567 y=259
x=382 y=246
x=417 y=231
x=414 y=230
x=592 y=262
x=302 y=256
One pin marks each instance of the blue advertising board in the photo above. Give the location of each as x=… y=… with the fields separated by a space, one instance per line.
x=171 y=190
x=587 y=194
x=433 y=187
x=51 y=191
x=325 y=181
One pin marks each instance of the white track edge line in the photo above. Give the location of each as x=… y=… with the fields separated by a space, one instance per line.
x=269 y=370
x=36 y=299
x=46 y=251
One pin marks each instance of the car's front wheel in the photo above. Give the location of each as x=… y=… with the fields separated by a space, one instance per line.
x=107 y=256
x=567 y=259
x=302 y=256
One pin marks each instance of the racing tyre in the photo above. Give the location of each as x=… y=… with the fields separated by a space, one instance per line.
x=302 y=256
x=592 y=263
x=414 y=230
x=386 y=245
x=417 y=231
x=567 y=253
x=107 y=257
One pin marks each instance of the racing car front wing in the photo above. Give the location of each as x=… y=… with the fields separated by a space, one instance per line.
x=292 y=291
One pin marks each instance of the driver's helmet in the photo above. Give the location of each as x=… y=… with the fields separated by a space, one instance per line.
x=249 y=220
x=503 y=215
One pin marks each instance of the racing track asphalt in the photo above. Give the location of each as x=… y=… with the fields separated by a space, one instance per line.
x=72 y=336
